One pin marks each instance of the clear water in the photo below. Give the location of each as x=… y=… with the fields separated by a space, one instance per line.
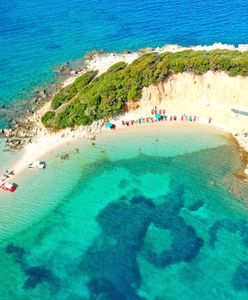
x=36 y=36
x=154 y=215
x=142 y=215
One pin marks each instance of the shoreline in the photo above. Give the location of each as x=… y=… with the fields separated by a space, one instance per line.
x=44 y=141
x=101 y=60
x=47 y=144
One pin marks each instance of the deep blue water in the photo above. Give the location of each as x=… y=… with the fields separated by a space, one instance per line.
x=36 y=36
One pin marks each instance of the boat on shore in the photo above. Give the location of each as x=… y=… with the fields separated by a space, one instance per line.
x=8 y=187
x=37 y=165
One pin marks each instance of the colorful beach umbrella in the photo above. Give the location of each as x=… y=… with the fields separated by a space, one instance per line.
x=158 y=116
x=109 y=125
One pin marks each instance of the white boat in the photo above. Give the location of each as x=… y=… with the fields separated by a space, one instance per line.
x=37 y=165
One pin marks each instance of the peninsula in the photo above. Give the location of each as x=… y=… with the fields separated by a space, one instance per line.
x=207 y=83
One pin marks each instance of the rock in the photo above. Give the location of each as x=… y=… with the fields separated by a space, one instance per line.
x=74 y=72
x=42 y=93
x=65 y=156
x=15 y=143
x=65 y=68
x=7 y=132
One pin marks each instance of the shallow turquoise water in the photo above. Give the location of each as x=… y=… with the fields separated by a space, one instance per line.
x=136 y=216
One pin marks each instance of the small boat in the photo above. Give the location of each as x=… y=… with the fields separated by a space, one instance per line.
x=37 y=165
x=8 y=187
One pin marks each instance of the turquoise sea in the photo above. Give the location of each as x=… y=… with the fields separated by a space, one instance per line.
x=152 y=214
x=142 y=214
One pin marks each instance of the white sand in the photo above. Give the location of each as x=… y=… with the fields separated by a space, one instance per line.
x=222 y=117
x=49 y=142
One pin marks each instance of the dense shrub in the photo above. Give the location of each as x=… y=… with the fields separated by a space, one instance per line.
x=47 y=119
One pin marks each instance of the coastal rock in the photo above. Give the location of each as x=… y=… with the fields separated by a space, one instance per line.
x=42 y=93
x=93 y=54
x=65 y=69
x=8 y=132
x=15 y=143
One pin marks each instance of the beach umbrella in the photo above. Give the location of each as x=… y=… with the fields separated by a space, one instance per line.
x=109 y=125
x=158 y=116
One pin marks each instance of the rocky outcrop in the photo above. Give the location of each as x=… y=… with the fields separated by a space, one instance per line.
x=21 y=132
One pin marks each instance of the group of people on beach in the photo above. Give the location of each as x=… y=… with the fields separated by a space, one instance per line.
x=159 y=115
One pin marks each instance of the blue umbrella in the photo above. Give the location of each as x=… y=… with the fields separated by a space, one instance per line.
x=158 y=116
x=109 y=125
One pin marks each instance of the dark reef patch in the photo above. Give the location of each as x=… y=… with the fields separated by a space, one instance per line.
x=240 y=227
x=124 y=183
x=113 y=267
x=240 y=279
x=104 y=290
x=127 y=223
x=185 y=242
x=53 y=46
x=37 y=275
x=197 y=205
x=17 y=252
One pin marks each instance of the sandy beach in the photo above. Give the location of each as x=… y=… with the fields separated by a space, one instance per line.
x=48 y=142
x=175 y=102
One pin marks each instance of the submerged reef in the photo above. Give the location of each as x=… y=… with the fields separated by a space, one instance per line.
x=240 y=279
x=240 y=227
x=112 y=262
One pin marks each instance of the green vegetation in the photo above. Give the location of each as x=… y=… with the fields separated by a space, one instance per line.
x=71 y=91
x=91 y=98
x=47 y=118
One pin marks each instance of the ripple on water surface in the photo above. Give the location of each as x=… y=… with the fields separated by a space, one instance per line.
x=150 y=218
